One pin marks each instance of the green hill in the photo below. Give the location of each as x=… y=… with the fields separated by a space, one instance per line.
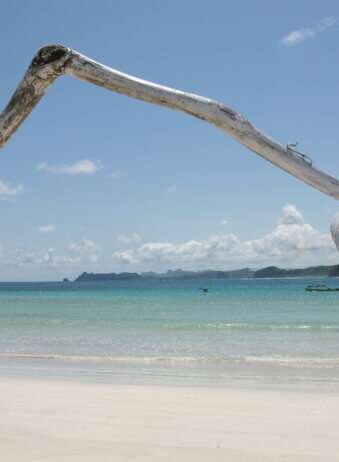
x=312 y=271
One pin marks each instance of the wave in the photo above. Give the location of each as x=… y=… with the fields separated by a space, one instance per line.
x=256 y=327
x=288 y=361
x=104 y=324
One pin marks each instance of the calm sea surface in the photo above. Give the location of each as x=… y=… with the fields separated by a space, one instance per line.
x=240 y=328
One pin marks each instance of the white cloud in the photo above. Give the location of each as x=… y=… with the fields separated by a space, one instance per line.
x=18 y=259
x=298 y=36
x=75 y=247
x=293 y=243
x=47 y=229
x=128 y=240
x=213 y=248
x=54 y=261
x=327 y=22
x=117 y=175
x=291 y=216
x=172 y=189
x=8 y=190
x=126 y=257
x=94 y=258
x=86 y=246
x=90 y=245
x=84 y=166
x=224 y=223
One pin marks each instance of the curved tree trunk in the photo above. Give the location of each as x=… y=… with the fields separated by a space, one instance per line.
x=54 y=60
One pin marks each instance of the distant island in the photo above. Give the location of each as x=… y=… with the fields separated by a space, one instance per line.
x=244 y=273
x=312 y=272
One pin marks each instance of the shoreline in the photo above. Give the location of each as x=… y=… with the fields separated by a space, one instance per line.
x=320 y=374
x=71 y=421
x=272 y=376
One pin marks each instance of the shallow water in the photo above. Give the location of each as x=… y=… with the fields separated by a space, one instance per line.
x=239 y=328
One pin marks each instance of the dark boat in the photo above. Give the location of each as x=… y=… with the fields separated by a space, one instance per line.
x=320 y=288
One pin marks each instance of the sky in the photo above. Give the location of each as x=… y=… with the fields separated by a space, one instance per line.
x=98 y=182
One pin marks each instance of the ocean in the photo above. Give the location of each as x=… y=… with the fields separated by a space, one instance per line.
x=251 y=329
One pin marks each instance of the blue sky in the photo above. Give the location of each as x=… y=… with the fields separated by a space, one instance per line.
x=95 y=181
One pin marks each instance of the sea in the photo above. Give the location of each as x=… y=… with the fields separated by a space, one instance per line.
x=238 y=332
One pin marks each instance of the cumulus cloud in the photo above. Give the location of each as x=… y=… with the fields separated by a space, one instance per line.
x=291 y=216
x=299 y=35
x=224 y=223
x=192 y=251
x=18 y=258
x=86 y=246
x=54 y=261
x=129 y=240
x=126 y=256
x=90 y=245
x=293 y=243
x=47 y=229
x=7 y=190
x=82 y=167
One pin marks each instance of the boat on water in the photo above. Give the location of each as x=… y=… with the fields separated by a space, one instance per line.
x=320 y=288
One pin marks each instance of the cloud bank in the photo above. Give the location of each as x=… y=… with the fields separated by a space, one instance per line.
x=293 y=243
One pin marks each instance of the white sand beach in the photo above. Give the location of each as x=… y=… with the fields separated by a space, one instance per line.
x=69 y=421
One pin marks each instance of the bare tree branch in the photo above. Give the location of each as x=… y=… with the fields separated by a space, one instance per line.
x=54 y=60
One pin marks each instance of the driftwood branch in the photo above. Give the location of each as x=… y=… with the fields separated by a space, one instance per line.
x=54 y=60
x=335 y=230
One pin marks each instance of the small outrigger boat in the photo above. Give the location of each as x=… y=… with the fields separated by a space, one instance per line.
x=320 y=288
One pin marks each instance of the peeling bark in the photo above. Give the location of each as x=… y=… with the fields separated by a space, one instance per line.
x=54 y=60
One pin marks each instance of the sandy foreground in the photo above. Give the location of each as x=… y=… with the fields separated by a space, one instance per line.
x=68 y=421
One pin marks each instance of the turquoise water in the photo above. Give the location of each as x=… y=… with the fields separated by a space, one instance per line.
x=238 y=328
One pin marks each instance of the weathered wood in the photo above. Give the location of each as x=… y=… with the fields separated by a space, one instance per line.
x=335 y=230
x=54 y=60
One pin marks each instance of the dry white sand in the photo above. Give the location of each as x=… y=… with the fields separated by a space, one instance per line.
x=61 y=421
